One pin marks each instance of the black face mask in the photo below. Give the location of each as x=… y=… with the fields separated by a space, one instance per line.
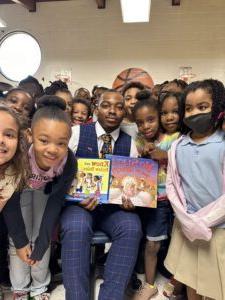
x=200 y=123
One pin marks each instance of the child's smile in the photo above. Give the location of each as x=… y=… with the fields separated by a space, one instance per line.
x=147 y=120
x=8 y=137
x=170 y=115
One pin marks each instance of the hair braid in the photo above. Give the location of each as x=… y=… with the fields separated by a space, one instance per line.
x=218 y=97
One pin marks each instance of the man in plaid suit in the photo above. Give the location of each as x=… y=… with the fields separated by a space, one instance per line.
x=78 y=222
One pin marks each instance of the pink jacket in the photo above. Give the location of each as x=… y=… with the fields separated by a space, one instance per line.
x=197 y=225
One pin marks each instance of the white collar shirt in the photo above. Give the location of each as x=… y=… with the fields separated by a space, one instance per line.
x=74 y=140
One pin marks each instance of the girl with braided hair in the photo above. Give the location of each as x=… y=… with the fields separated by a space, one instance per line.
x=195 y=188
x=175 y=86
x=60 y=89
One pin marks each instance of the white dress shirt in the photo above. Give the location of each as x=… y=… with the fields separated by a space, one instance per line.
x=74 y=140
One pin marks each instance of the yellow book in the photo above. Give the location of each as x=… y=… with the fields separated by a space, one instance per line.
x=92 y=180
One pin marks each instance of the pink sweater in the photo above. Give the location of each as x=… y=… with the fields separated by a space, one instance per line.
x=39 y=177
x=197 y=225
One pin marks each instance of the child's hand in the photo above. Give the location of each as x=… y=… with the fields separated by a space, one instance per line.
x=24 y=254
x=89 y=203
x=148 y=148
x=158 y=154
x=34 y=263
x=127 y=204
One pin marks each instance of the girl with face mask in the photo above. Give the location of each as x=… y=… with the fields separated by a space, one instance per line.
x=195 y=188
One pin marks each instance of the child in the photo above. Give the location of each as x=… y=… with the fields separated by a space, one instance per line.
x=82 y=93
x=129 y=93
x=81 y=111
x=175 y=86
x=32 y=86
x=98 y=184
x=12 y=166
x=154 y=145
x=60 y=89
x=25 y=124
x=171 y=110
x=196 y=191
x=12 y=176
x=52 y=171
x=20 y=101
x=88 y=183
x=96 y=92
x=171 y=114
x=80 y=181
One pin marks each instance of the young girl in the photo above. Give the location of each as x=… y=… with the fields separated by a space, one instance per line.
x=52 y=171
x=171 y=109
x=20 y=101
x=12 y=176
x=96 y=92
x=153 y=144
x=60 y=89
x=82 y=93
x=129 y=93
x=195 y=188
x=175 y=86
x=32 y=86
x=171 y=114
x=81 y=111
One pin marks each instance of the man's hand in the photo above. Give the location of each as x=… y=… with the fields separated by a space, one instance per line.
x=89 y=203
x=24 y=254
x=127 y=204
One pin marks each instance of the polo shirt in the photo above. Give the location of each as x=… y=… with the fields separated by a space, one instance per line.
x=200 y=166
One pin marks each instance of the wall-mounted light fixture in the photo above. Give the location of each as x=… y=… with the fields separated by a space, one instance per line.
x=134 y=11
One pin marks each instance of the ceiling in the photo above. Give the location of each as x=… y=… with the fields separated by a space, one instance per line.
x=31 y=4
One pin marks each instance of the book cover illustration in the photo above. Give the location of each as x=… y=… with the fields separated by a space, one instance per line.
x=133 y=178
x=92 y=180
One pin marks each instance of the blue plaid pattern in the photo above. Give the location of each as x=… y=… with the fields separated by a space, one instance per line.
x=77 y=225
x=88 y=146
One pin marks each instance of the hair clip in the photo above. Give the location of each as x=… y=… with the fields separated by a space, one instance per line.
x=221 y=115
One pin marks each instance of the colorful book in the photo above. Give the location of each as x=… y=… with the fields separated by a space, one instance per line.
x=92 y=180
x=133 y=178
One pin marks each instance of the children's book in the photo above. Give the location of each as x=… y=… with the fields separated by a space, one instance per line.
x=92 y=180
x=133 y=178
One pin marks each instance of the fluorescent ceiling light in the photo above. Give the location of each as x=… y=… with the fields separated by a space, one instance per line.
x=134 y=11
x=2 y=23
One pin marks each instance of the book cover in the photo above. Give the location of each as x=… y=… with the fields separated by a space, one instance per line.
x=92 y=180
x=133 y=178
